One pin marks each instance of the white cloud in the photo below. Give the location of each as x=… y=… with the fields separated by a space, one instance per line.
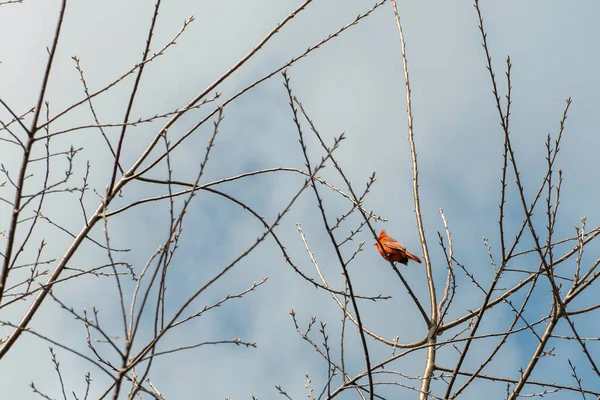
x=353 y=84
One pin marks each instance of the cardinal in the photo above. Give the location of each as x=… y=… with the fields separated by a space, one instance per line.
x=393 y=250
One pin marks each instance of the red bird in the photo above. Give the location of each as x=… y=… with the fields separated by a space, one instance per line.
x=392 y=250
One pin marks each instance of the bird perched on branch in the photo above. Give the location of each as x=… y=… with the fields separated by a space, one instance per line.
x=393 y=250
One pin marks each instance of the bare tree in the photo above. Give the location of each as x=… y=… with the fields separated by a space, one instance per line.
x=63 y=203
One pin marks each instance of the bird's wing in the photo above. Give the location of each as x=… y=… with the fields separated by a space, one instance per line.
x=394 y=244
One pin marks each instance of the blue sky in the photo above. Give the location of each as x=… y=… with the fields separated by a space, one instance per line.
x=353 y=84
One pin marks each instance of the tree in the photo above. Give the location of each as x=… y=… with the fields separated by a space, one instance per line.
x=143 y=235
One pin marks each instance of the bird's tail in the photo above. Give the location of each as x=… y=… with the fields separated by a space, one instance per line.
x=413 y=257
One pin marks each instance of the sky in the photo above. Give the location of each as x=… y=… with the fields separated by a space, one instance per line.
x=354 y=85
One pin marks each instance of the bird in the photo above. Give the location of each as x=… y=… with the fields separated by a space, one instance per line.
x=392 y=250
